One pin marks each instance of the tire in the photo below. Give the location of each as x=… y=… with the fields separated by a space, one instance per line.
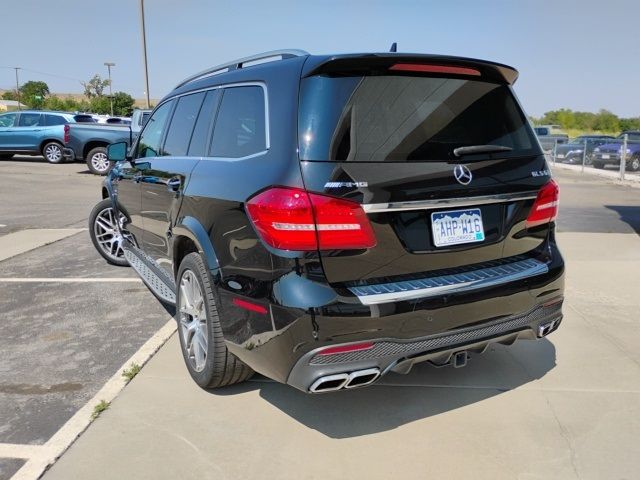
x=97 y=161
x=598 y=165
x=633 y=165
x=6 y=156
x=105 y=237
x=209 y=362
x=52 y=152
x=588 y=160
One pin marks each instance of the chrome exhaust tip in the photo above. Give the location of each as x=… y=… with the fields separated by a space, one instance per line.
x=361 y=378
x=546 y=328
x=330 y=383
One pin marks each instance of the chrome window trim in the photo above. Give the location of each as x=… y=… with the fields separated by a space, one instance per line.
x=447 y=284
x=447 y=202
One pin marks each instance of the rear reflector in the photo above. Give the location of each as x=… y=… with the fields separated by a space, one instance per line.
x=66 y=133
x=294 y=219
x=252 y=307
x=417 y=67
x=356 y=347
x=545 y=208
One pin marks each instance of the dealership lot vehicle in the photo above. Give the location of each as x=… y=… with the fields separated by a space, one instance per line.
x=33 y=133
x=288 y=197
x=573 y=151
x=89 y=142
x=610 y=153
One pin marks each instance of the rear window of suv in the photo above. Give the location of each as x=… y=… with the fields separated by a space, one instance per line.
x=407 y=118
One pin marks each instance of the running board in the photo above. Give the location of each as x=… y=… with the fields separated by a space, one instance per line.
x=158 y=281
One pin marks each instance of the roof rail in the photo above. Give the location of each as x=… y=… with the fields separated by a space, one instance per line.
x=240 y=63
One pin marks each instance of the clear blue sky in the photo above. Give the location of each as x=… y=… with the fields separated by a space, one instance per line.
x=583 y=55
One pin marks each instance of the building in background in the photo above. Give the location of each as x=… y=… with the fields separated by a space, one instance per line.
x=11 y=105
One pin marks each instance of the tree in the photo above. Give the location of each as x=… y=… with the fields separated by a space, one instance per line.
x=33 y=93
x=95 y=87
x=122 y=104
x=10 y=95
x=100 y=104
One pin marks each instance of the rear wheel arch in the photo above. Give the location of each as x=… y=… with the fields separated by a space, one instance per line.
x=191 y=236
x=91 y=145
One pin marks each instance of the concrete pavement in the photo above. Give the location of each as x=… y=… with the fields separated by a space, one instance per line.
x=563 y=407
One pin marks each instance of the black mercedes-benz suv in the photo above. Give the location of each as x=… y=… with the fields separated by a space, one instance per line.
x=327 y=219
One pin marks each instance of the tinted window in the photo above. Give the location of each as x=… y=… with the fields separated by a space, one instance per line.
x=404 y=119
x=143 y=119
x=182 y=122
x=84 y=119
x=240 y=124
x=7 y=120
x=198 y=145
x=151 y=136
x=52 y=120
x=29 y=120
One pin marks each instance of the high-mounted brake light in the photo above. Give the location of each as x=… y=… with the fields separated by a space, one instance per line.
x=294 y=219
x=545 y=208
x=427 y=68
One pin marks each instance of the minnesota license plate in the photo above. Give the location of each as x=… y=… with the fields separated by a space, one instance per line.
x=457 y=226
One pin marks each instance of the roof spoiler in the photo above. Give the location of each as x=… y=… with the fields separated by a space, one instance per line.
x=362 y=64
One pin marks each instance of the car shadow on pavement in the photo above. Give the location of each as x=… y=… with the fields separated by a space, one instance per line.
x=629 y=214
x=402 y=399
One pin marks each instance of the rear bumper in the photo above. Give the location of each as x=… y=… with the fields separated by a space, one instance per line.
x=399 y=355
x=607 y=158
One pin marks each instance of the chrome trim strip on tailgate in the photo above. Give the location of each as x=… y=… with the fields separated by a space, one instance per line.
x=447 y=284
x=448 y=202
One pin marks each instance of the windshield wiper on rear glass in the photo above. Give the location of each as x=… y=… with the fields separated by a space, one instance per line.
x=473 y=149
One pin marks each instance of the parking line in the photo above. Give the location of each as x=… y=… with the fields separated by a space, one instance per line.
x=68 y=280
x=70 y=431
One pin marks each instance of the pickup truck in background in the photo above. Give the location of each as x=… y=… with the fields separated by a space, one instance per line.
x=88 y=142
x=550 y=135
x=611 y=153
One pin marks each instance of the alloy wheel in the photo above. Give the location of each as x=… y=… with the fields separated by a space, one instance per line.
x=193 y=321
x=53 y=152
x=107 y=233
x=100 y=162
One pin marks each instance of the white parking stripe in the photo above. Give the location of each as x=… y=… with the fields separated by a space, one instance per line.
x=11 y=450
x=13 y=244
x=70 y=431
x=68 y=280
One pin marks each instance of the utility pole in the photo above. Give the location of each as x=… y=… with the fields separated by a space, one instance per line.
x=144 y=53
x=109 y=65
x=17 y=86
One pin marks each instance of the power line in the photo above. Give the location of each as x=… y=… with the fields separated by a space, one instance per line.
x=44 y=73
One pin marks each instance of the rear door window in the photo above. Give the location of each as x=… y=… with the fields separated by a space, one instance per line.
x=240 y=128
x=29 y=120
x=151 y=136
x=52 y=120
x=407 y=118
x=182 y=123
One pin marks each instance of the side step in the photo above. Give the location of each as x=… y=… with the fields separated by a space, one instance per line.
x=158 y=281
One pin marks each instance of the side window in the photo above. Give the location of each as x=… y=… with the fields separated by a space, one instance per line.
x=181 y=127
x=8 y=120
x=52 y=120
x=151 y=136
x=29 y=120
x=240 y=125
x=198 y=145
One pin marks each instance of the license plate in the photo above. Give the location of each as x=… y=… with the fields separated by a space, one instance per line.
x=560 y=155
x=457 y=226
x=605 y=157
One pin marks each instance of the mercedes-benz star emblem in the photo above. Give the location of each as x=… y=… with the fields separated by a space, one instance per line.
x=463 y=174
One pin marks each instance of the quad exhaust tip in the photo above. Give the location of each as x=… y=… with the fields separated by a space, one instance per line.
x=338 y=381
x=545 y=329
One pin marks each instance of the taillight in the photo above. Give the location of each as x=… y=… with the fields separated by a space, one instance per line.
x=545 y=208
x=66 y=133
x=294 y=219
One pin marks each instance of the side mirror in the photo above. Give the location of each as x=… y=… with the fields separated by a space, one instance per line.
x=117 y=152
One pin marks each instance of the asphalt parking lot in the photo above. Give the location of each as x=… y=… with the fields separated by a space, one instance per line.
x=62 y=338
x=564 y=407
